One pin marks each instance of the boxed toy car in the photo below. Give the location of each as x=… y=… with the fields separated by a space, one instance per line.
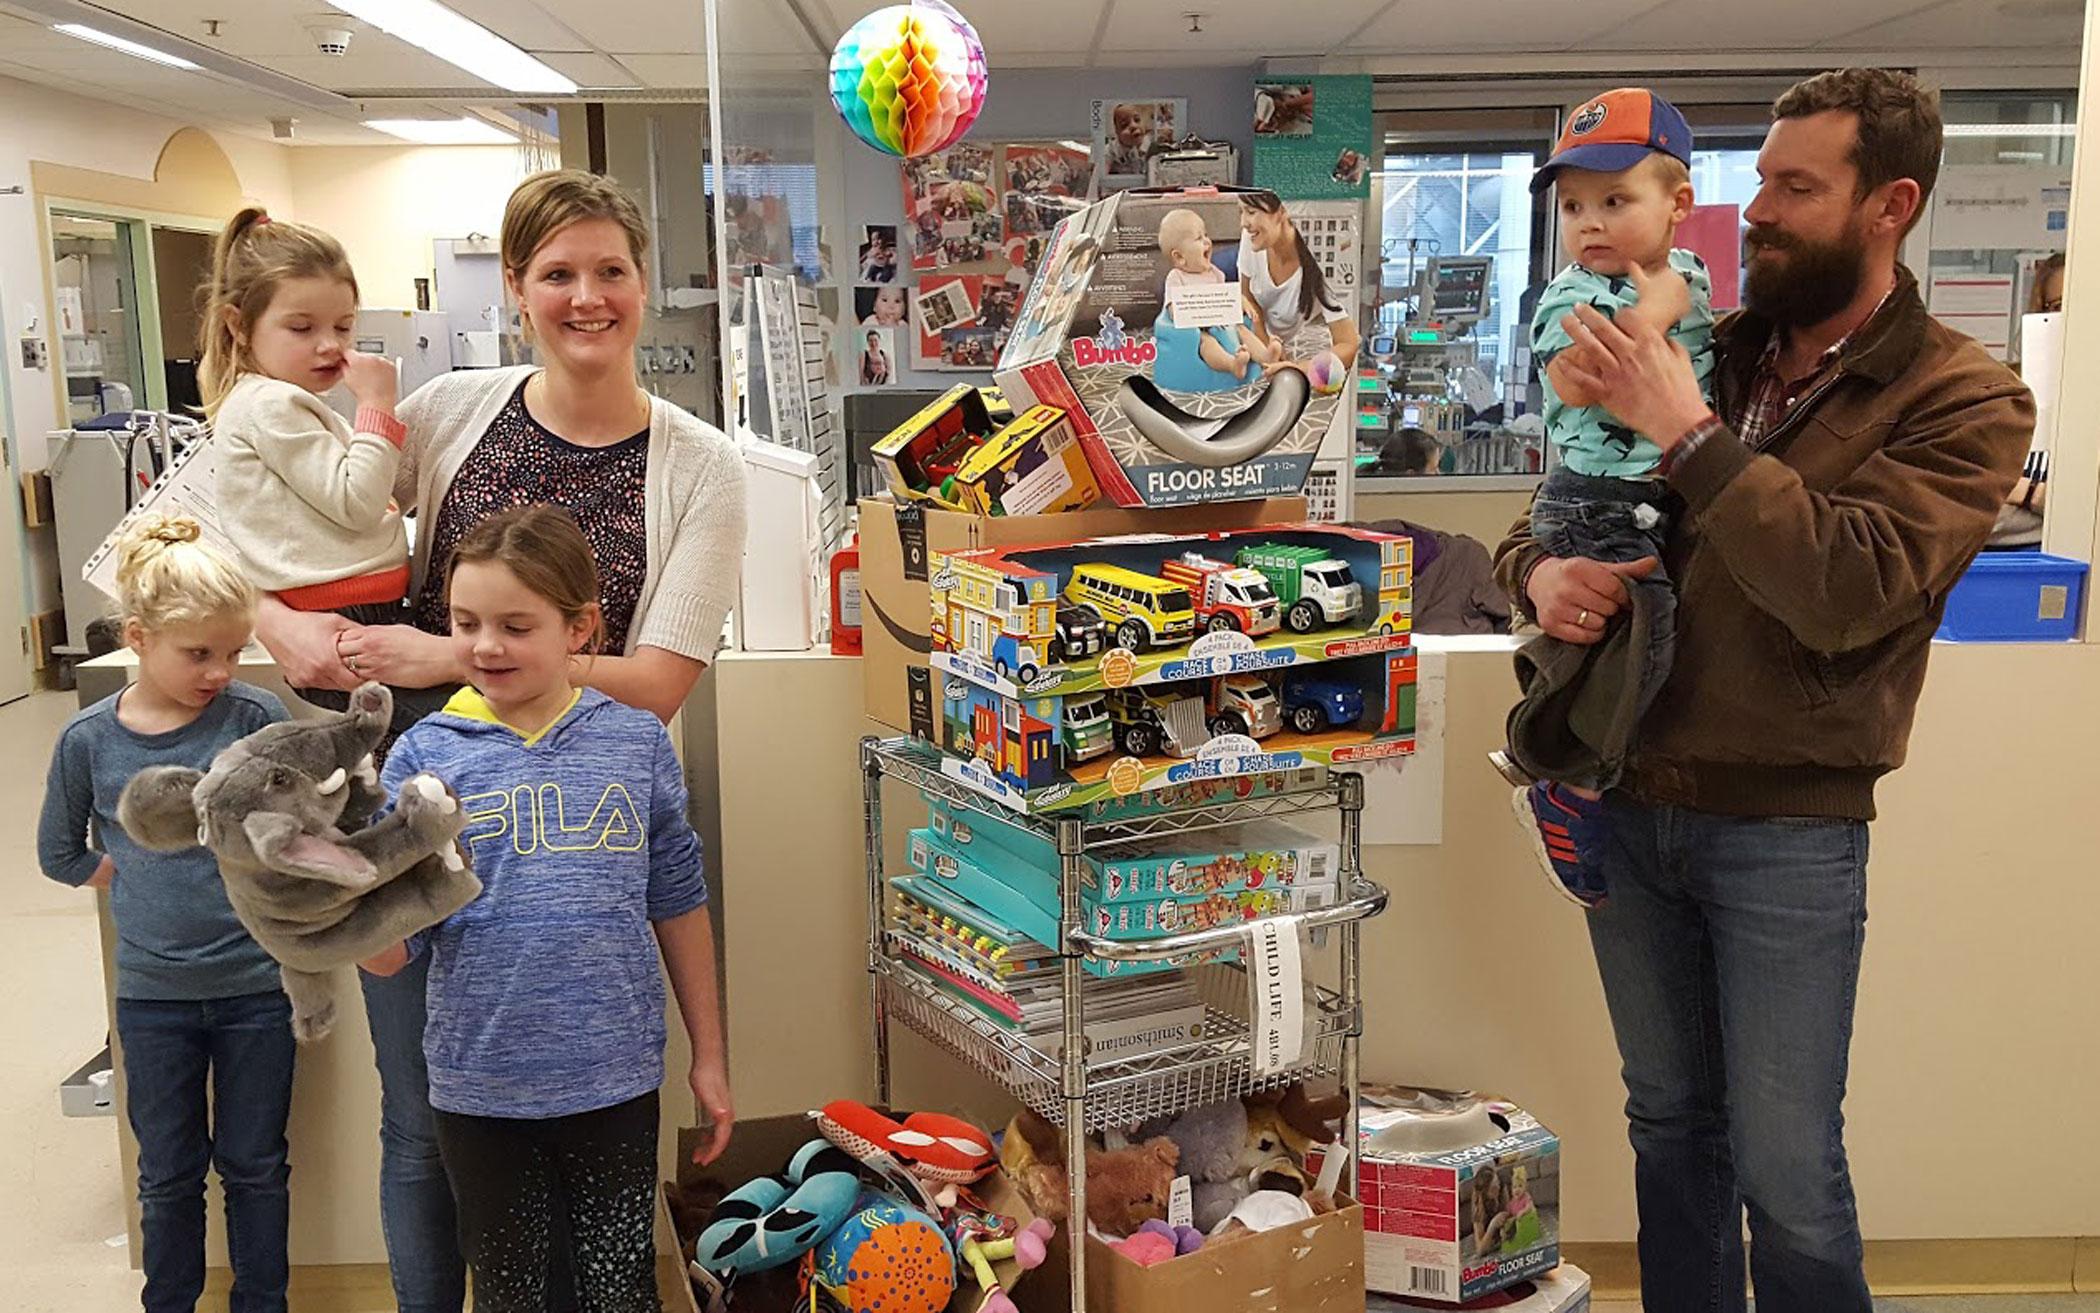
x=1461 y=1194
x=1019 y=749
x=1032 y=466
x=1168 y=606
x=898 y=538
x=1143 y=326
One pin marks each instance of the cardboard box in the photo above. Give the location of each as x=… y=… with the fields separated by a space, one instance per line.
x=1033 y=466
x=1313 y=1267
x=1137 y=326
x=919 y=454
x=759 y=1147
x=1566 y=1289
x=1455 y=1223
x=897 y=541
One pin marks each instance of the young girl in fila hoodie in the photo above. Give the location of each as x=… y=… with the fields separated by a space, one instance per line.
x=546 y=1033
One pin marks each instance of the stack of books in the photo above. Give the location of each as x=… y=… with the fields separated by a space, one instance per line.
x=1014 y=981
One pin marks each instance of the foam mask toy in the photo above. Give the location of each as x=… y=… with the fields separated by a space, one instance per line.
x=777 y=1219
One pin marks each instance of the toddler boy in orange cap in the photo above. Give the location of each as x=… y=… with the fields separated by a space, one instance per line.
x=1622 y=168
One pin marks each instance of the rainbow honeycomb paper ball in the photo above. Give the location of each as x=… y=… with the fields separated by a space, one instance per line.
x=1327 y=372
x=909 y=79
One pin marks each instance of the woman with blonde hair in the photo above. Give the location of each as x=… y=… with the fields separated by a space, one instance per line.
x=658 y=494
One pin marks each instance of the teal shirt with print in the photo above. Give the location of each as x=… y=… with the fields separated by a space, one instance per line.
x=1590 y=441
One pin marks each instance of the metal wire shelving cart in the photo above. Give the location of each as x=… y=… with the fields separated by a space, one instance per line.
x=1066 y=1086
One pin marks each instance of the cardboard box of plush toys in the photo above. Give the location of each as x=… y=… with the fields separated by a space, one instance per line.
x=787 y=1208
x=1261 y=1235
x=1461 y=1193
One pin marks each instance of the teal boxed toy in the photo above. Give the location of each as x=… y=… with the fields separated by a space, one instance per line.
x=1269 y=856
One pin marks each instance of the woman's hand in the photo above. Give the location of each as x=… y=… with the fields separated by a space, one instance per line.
x=401 y=655
x=104 y=876
x=303 y=644
x=711 y=1099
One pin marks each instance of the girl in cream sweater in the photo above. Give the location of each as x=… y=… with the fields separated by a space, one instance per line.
x=305 y=500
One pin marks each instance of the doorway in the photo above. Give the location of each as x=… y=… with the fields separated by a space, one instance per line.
x=95 y=278
x=181 y=274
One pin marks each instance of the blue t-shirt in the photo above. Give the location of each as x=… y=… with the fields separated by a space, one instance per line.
x=546 y=996
x=1590 y=441
x=177 y=935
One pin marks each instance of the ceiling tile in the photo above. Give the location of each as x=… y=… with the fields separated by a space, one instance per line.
x=590 y=69
x=1773 y=25
x=524 y=24
x=668 y=70
x=1233 y=30
x=1969 y=25
x=624 y=25
x=1411 y=27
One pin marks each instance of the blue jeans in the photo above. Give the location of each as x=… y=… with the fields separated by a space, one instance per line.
x=415 y=1200
x=242 y=1050
x=1730 y=954
x=1575 y=515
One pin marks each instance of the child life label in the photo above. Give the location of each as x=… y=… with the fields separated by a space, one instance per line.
x=1206 y=305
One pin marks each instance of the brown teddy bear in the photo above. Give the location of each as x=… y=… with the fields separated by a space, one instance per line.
x=1124 y=1187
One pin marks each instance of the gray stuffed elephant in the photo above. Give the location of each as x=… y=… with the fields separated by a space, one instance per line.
x=287 y=812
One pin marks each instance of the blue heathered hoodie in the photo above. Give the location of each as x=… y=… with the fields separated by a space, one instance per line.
x=546 y=997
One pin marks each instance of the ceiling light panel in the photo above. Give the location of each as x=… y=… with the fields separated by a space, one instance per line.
x=462 y=43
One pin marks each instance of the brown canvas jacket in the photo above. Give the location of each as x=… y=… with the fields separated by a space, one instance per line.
x=1811 y=573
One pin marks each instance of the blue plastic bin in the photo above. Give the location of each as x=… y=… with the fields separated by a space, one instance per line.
x=2015 y=597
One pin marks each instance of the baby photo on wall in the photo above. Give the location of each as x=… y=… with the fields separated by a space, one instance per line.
x=878 y=254
x=880 y=307
x=1127 y=133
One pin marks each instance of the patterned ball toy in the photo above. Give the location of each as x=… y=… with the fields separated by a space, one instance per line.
x=909 y=79
x=1327 y=372
x=886 y=1258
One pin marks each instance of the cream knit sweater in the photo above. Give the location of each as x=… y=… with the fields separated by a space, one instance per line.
x=302 y=499
x=694 y=519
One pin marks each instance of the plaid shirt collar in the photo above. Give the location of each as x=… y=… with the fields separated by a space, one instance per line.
x=1771 y=396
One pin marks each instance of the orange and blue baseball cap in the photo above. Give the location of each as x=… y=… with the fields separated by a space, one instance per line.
x=1616 y=131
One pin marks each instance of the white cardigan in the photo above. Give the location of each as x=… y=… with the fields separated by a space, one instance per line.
x=694 y=519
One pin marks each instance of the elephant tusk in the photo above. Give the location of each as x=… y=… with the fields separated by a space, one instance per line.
x=367 y=772
x=449 y=855
x=334 y=781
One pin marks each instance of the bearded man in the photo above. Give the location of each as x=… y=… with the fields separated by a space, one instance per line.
x=1851 y=465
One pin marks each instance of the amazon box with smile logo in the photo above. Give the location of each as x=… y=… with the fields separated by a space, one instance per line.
x=1188 y=370
x=897 y=543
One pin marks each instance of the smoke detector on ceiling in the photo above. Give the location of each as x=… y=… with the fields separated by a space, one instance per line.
x=331 y=34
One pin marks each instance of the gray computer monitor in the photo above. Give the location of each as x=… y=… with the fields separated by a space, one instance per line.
x=1458 y=288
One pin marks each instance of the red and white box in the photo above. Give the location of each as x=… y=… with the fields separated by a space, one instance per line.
x=1461 y=1194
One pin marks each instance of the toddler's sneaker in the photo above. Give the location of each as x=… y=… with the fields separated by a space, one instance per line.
x=1568 y=833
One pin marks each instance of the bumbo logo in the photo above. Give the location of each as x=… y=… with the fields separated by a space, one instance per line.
x=1088 y=352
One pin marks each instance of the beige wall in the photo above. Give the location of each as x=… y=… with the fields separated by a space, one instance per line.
x=1483 y=515
x=387 y=204
x=1975 y=1011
